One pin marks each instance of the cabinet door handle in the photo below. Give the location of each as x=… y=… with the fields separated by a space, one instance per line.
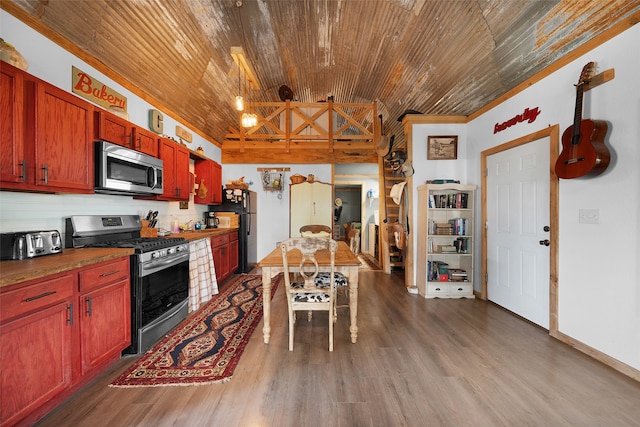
x=45 y=173
x=70 y=319
x=111 y=273
x=89 y=307
x=46 y=294
x=23 y=173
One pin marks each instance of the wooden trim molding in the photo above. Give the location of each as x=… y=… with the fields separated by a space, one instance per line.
x=553 y=133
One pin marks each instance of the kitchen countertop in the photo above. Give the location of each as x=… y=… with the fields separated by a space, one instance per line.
x=12 y=272
x=201 y=234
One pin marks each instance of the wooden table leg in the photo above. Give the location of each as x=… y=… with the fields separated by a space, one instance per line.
x=266 y=303
x=353 y=302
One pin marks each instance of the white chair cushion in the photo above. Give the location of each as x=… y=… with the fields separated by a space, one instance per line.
x=322 y=279
x=308 y=296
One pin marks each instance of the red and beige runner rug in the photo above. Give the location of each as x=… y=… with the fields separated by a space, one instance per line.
x=207 y=346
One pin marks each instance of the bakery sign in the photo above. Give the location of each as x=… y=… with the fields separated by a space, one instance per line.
x=528 y=115
x=91 y=89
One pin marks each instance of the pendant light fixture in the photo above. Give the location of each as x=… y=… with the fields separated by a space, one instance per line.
x=239 y=98
x=245 y=71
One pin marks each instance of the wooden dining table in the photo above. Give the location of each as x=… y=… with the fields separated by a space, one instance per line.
x=346 y=262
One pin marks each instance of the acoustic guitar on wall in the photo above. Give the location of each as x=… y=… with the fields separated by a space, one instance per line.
x=583 y=149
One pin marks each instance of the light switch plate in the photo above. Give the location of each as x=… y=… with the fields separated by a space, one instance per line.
x=589 y=216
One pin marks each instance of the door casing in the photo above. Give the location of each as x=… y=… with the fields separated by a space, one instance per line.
x=553 y=133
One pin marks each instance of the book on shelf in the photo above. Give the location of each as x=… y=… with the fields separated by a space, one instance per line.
x=443 y=181
x=458 y=275
x=435 y=269
x=449 y=200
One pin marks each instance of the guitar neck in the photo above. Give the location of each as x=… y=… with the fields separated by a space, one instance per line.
x=577 y=118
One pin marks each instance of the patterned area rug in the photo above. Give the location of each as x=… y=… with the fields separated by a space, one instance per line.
x=368 y=263
x=207 y=346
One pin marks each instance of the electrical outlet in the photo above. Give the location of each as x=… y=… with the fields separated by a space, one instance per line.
x=589 y=216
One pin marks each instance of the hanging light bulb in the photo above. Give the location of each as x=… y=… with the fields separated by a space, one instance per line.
x=249 y=120
x=239 y=98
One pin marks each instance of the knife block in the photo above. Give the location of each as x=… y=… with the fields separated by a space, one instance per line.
x=145 y=231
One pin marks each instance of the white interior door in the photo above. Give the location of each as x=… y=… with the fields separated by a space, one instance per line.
x=517 y=185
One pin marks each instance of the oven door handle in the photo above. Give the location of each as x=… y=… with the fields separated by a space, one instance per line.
x=155 y=266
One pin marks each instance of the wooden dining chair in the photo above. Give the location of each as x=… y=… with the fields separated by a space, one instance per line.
x=315 y=230
x=304 y=292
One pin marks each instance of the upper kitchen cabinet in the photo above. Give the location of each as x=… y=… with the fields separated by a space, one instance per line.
x=209 y=182
x=177 y=177
x=310 y=203
x=12 y=124
x=112 y=128
x=46 y=137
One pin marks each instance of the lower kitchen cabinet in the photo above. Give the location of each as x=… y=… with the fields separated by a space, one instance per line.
x=234 y=254
x=59 y=332
x=36 y=350
x=105 y=313
x=225 y=254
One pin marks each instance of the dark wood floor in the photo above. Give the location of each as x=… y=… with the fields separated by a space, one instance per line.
x=417 y=362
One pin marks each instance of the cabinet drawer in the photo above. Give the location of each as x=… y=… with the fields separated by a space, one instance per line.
x=460 y=289
x=437 y=289
x=29 y=298
x=220 y=240
x=103 y=274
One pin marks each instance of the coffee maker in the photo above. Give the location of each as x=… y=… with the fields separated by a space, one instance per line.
x=210 y=220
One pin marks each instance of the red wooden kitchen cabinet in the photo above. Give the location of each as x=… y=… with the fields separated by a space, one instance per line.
x=59 y=332
x=105 y=312
x=176 y=175
x=145 y=141
x=209 y=181
x=47 y=134
x=115 y=129
x=37 y=341
x=225 y=254
x=234 y=257
x=12 y=124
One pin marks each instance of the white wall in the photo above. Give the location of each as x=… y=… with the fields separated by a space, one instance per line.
x=599 y=277
x=435 y=169
x=25 y=211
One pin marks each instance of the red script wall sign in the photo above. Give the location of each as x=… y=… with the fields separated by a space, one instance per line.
x=528 y=115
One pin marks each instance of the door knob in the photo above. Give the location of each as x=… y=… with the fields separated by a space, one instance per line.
x=546 y=228
x=545 y=242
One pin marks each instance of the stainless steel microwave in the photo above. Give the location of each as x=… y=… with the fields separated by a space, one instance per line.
x=120 y=170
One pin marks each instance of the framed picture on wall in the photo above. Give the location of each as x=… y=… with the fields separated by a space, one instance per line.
x=442 y=147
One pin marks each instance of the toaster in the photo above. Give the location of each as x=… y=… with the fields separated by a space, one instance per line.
x=29 y=244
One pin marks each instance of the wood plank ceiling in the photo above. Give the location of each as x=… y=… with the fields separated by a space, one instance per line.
x=436 y=57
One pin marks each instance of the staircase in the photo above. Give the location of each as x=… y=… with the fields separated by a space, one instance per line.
x=392 y=257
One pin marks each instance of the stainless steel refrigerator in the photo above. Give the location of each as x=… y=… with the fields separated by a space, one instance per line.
x=245 y=204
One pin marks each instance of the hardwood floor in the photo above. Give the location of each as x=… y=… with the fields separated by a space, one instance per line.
x=417 y=362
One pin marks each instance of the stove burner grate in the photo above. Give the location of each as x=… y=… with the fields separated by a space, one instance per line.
x=142 y=244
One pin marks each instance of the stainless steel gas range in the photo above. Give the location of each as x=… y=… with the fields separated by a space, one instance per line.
x=159 y=272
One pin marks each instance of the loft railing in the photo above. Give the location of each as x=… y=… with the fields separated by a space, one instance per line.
x=315 y=125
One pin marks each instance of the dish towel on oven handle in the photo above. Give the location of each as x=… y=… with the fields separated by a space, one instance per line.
x=203 y=283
